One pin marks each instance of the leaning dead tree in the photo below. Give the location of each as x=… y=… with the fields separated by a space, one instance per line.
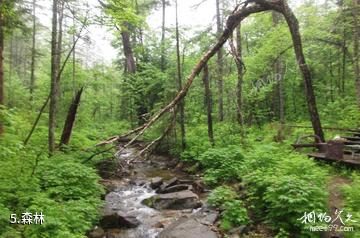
x=240 y=13
x=70 y=118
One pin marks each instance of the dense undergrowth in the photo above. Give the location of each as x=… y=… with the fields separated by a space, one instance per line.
x=259 y=181
x=276 y=186
x=65 y=190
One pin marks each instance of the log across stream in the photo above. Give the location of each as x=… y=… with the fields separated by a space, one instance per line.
x=154 y=201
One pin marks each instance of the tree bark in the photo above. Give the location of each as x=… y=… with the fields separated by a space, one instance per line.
x=279 y=72
x=237 y=54
x=59 y=40
x=162 y=60
x=1 y=65
x=220 y=65
x=343 y=63
x=356 y=49
x=70 y=119
x=208 y=103
x=179 y=81
x=310 y=95
x=33 y=52
x=55 y=76
x=130 y=66
x=73 y=57
x=54 y=83
x=279 y=77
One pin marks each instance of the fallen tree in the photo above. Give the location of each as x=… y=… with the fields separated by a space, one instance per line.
x=240 y=13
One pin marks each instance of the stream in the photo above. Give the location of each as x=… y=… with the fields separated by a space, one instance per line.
x=126 y=195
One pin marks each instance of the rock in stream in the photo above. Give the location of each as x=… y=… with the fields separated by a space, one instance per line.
x=177 y=200
x=189 y=228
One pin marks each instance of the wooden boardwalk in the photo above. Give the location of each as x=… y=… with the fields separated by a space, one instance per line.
x=353 y=161
x=343 y=150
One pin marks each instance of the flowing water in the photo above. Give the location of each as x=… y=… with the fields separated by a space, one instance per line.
x=128 y=193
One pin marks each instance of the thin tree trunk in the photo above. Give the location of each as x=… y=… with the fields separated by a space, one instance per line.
x=279 y=72
x=73 y=58
x=59 y=40
x=33 y=51
x=220 y=65
x=310 y=95
x=343 y=72
x=240 y=70
x=54 y=84
x=1 y=66
x=162 y=60
x=356 y=50
x=11 y=56
x=70 y=119
x=279 y=77
x=208 y=103
x=55 y=90
x=179 y=81
x=332 y=76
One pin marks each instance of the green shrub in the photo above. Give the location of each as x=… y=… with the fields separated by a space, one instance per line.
x=197 y=143
x=280 y=194
x=221 y=195
x=234 y=214
x=65 y=179
x=352 y=204
x=221 y=164
x=288 y=197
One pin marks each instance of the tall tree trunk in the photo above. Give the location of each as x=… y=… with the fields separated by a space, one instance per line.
x=237 y=54
x=179 y=81
x=11 y=57
x=279 y=77
x=332 y=76
x=70 y=119
x=59 y=40
x=310 y=95
x=279 y=72
x=343 y=70
x=1 y=65
x=33 y=52
x=54 y=83
x=73 y=57
x=130 y=66
x=162 y=60
x=356 y=49
x=239 y=85
x=208 y=103
x=220 y=65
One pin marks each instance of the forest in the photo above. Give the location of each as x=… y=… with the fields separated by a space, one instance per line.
x=179 y=119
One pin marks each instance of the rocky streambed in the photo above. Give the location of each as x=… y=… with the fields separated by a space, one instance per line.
x=150 y=200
